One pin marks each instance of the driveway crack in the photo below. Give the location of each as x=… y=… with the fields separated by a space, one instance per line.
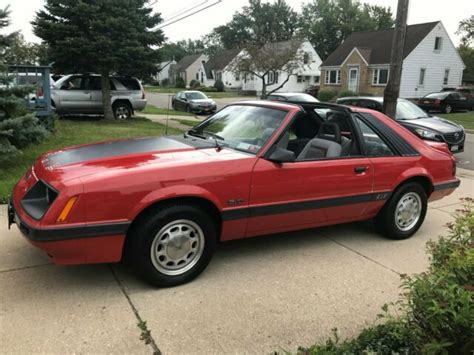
x=364 y=256
x=141 y=323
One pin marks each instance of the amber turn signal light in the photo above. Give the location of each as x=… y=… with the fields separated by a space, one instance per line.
x=65 y=212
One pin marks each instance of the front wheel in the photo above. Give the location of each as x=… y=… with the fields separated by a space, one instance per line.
x=404 y=212
x=172 y=245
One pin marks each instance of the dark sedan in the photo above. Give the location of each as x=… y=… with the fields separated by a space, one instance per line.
x=193 y=102
x=408 y=114
x=446 y=101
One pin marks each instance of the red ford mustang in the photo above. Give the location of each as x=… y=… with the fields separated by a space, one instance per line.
x=253 y=168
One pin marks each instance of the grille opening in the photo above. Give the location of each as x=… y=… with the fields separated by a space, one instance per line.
x=38 y=199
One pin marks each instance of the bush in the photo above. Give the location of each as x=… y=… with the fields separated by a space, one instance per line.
x=180 y=83
x=219 y=85
x=437 y=311
x=194 y=84
x=208 y=89
x=326 y=95
x=346 y=93
x=165 y=82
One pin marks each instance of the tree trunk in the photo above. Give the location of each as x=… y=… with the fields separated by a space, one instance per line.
x=264 y=88
x=106 y=102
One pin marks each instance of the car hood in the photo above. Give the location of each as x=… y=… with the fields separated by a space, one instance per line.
x=434 y=123
x=123 y=156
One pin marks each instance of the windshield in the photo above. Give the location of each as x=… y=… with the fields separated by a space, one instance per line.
x=437 y=95
x=195 y=96
x=241 y=127
x=407 y=110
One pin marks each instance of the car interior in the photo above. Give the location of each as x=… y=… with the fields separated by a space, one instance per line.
x=319 y=134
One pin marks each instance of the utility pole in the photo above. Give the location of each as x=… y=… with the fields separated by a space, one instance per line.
x=392 y=90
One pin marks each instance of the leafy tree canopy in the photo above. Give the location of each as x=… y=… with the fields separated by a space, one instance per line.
x=179 y=49
x=466 y=30
x=327 y=22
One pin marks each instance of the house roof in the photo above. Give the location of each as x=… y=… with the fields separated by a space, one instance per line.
x=376 y=46
x=220 y=60
x=186 y=61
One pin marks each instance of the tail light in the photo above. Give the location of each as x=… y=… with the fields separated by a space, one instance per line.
x=437 y=102
x=39 y=91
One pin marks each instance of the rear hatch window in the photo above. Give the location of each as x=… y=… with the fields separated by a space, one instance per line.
x=129 y=83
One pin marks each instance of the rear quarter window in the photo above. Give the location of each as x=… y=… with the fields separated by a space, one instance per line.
x=129 y=83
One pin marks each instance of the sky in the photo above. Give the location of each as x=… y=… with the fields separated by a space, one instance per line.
x=450 y=12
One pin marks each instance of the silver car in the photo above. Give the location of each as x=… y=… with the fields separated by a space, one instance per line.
x=82 y=94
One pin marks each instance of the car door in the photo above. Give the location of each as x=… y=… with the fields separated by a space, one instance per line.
x=464 y=103
x=93 y=85
x=72 y=96
x=301 y=194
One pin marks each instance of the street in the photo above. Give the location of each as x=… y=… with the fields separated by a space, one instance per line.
x=258 y=295
x=466 y=158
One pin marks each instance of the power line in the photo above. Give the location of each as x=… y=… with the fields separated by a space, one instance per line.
x=185 y=9
x=192 y=13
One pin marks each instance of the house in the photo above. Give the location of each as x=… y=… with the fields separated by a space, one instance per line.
x=308 y=74
x=164 y=70
x=190 y=68
x=219 y=68
x=362 y=62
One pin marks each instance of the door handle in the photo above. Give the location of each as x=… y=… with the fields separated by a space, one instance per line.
x=360 y=169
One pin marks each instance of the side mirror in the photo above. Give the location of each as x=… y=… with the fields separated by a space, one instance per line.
x=184 y=99
x=280 y=155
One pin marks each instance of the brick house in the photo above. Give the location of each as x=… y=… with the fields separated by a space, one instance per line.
x=362 y=62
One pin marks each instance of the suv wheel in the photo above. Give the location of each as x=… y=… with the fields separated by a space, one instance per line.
x=447 y=109
x=404 y=213
x=172 y=245
x=122 y=111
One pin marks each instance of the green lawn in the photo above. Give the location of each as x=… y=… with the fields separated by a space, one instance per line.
x=72 y=132
x=214 y=95
x=150 y=109
x=186 y=122
x=463 y=118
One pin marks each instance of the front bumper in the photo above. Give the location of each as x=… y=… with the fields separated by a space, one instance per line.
x=74 y=245
x=203 y=109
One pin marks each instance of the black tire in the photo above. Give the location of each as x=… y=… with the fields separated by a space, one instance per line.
x=447 y=108
x=173 y=106
x=122 y=111
x=140 y=242
x=188 y=109
x=385 y=221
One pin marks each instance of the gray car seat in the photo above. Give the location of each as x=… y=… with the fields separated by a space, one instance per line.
x=325 y=145
x=340 y=120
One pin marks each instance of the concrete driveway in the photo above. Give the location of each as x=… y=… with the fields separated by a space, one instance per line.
x=257 y=295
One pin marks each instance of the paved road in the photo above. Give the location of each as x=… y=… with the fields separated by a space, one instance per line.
x=466 y=158
x=257 y=295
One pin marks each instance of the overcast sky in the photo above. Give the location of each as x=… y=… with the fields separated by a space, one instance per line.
x=450 y=12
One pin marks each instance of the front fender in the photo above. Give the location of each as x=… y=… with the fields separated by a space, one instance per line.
x=173 y=192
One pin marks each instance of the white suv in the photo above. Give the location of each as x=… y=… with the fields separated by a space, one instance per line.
x=82 y=94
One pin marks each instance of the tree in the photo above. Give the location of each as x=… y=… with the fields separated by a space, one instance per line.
x=326 y=23
x=18 y=126
x=275 y=57
x=467 y=55
x=179 y=49
x=102 y=36
x=258 y=23
x=21 y=52
x=466 y=30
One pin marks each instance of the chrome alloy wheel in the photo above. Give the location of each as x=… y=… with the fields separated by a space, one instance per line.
x=408 y=211
x=121 y=113
x=177 y=247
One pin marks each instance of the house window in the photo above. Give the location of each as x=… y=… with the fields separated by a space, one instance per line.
x=237 y=77
x=306 y=58
x=421 y=80
x=333 y=77
x=380 y=77
x=299 y=79
x=276 y=77
x=438 y=43
x=307 y=78
x=197 y=76
x=316 y=79
x=446 y=77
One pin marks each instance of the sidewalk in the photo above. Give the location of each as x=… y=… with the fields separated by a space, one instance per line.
x=257 y=295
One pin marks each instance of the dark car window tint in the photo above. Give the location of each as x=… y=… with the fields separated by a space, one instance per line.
x=195 y=96
x=374 y=145
x=92 y=83
x=129 y=83
x=73 y=83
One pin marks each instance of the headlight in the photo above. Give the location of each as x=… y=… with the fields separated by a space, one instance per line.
x=423 y=133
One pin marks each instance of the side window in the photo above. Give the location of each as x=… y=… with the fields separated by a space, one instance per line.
x=73 y=83
x=92 y=83
x=129 y=83
x=374 y=145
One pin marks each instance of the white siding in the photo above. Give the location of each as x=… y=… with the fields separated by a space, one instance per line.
x=435 y=63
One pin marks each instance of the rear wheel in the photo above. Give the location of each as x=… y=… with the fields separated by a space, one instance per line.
x=172 y=245
x=404 y=213
x=447 y=109
x=122 y=111
x=188 y=109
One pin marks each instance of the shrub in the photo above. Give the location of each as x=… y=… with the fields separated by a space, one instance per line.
x=208 y=89
x=180 y=83
x=165 y=82
x=346 y=93
x=326 y=95
x=194 y=84
x=219 y=85
x=437 y=309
